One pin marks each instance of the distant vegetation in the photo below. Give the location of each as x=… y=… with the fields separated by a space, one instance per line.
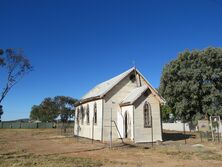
x=14 y=66
x=51 y=108
x=192 y=85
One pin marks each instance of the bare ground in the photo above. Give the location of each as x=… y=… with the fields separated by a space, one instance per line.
x=45 y=147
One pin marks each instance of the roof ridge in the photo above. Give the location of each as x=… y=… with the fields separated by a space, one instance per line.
x=134 y=94
x=162 y=100
x=102 y=88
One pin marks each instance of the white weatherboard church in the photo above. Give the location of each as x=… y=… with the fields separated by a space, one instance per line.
x=131 y=102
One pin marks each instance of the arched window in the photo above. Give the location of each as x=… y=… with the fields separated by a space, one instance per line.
x=95 y=114
x=82 y=115
x=147 y=115
x=77 y=115
x=87 y=114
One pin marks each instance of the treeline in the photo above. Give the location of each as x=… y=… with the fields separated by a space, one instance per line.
x=192 y=85
x=51 y=108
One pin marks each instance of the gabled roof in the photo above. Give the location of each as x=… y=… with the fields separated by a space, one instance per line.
x=101 y=89
x=153 y=90
x=134 y=95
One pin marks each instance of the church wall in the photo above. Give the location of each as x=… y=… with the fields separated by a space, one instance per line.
x=86 y=130
x=112 y=100
x=121 y=121
x=145 y=134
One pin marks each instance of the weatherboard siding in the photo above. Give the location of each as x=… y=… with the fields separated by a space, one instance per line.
x=112 y=101
x=121 y=121
x=116 y=95
x=145 y=134
x=86 y=130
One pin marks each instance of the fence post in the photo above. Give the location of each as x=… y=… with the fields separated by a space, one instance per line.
x=93 y=129
x=184 y=131
x=152 y=127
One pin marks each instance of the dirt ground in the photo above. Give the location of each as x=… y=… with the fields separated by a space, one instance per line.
x=46 y=147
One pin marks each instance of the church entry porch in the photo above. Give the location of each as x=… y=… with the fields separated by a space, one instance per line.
x=125 y=122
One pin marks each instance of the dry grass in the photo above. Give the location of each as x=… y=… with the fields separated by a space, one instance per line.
x=187 y=152
x=28 y=160
x=13 y=153
x=45 y=148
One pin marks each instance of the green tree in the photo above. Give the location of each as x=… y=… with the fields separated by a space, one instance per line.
x=66 y=107
x=36 y=113
x=47 y=111
x=166 y=111
x=192 y=84
x=15 y=66
x=1 y=112
x=51 y=108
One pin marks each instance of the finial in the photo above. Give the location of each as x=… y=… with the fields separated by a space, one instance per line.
x=134 y=64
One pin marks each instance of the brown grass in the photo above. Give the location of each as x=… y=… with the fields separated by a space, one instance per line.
x=27 y=160
x=46 y=148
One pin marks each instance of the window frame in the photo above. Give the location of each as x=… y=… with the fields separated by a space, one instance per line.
x=95 y=114
x=87 y=115
x=147 y=115
x=77 y=115
x=82 y=115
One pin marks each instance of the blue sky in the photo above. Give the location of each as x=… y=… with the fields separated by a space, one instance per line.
x=75 y=44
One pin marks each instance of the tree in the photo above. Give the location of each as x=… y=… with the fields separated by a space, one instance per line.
x=36 y=113
x=192 y=84
x=51 y=108
x=1 y=112
x=47 y=111
x=16 y=67
x=66 y=107
x=166 y=111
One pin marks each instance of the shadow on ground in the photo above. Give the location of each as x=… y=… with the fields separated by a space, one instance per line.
x=176 y=136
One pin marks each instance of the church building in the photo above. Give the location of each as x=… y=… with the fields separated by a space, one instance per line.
x=129 y=101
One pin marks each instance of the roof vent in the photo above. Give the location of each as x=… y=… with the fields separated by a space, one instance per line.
x=147 y=93
x=132 y=78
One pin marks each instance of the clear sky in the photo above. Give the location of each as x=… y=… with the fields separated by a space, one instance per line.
x=75 y=44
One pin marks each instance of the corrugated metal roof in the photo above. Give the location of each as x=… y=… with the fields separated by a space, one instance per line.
x=102 y=88
x=134 y=95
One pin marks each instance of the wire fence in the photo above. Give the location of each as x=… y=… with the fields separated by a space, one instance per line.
x=26 y=125
x=65 y=129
